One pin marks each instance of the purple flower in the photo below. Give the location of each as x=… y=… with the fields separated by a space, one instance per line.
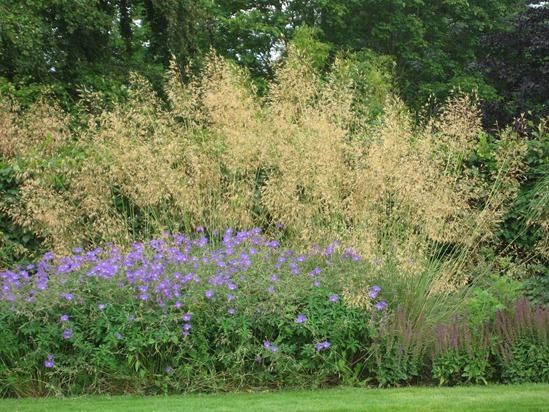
x=333 y=298
x=187 y=327
x=374 y=291
x=381 y=305
x=301 y=318
x=274 y=278
x=320 y=346
x=269 y=346
x=48 y=363
x=231 y=311
x=187 y=317
x=273 y=244
x=68 y=296
x=64 y=318
x=209 y=294
x=230 y=297
x=67 y=334
x=271 y=289
x=101 y=306
x=316 y=283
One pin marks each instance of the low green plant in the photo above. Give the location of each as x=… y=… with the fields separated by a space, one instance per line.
x=523 y=342
x=462 y=354
x=180 y=314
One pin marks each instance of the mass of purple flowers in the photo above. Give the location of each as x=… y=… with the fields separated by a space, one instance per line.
x=178 y=272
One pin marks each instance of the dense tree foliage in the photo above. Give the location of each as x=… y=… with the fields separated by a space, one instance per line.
x=516 y=62
x=67 y=44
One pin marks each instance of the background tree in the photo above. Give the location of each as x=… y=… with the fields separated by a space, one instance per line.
x=515 y=61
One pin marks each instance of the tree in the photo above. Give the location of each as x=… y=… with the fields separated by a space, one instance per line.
x=515 y=61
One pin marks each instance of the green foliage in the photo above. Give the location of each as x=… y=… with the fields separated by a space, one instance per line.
x=305 y=40
x=133 y=345
x=523 y=340
x=121 y=341
x=454 y=368
x=495 y=293
x=95 y=44
x=16 y=244
x=514 y=61
x=528 y=362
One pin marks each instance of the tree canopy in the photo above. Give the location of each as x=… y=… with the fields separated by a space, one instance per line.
x=436 y=45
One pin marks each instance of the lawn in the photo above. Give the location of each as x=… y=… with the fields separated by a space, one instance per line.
x=488 y=398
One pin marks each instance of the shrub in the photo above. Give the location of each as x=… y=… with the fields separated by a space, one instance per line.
x=523 y=333
x=178 y=314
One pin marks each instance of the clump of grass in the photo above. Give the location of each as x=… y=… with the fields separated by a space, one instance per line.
x=305 y=157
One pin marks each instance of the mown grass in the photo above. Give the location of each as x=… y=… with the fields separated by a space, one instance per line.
x=485 y=398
